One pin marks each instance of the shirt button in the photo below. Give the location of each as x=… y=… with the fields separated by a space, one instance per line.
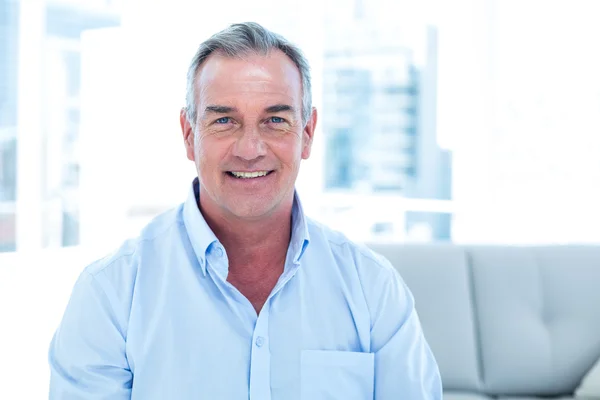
x=219 y=252
x=260 y=341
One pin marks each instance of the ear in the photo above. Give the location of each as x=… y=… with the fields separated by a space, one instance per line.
x=308 y=134
x=188 y=134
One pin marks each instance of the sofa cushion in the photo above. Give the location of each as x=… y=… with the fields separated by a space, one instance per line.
x=538 y=314
x=590 y=385
x=438 y=277
x=536 y=398
x=464 y=396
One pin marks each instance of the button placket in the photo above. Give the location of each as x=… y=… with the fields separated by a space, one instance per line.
x=260 y=363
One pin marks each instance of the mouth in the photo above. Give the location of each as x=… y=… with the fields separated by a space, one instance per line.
x=249 y=175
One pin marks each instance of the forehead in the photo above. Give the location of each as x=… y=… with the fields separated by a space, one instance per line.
x=271 y=77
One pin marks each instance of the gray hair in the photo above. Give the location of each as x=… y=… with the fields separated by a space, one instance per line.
x=242 y=39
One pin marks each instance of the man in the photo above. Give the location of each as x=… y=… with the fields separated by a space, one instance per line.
x=236 y=294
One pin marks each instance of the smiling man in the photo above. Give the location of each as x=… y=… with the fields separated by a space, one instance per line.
x=236 y=294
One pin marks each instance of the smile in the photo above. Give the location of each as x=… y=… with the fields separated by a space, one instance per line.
x=248 y=175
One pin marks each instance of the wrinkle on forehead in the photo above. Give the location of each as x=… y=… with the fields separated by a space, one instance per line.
x=273 y=74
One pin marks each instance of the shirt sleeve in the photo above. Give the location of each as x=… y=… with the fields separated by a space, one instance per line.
x=87 y=353
x=405 y=367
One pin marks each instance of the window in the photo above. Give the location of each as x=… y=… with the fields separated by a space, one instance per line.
x=7 y=230
x=8 y=173
x=417 y=104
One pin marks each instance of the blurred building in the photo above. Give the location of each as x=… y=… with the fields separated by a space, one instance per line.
x=8 y=123
x=379 y=118
x=40 y=76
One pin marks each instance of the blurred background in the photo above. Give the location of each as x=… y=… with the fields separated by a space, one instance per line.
x=471 y=121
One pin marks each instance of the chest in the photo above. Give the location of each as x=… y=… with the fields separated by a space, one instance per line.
x=200 y=336
x=255 y=284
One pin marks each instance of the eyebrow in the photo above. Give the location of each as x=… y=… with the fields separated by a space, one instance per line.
x=279 y=108
x=219 y=109
x=216 y=109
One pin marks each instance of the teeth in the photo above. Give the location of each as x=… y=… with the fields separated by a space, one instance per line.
x=247 y=175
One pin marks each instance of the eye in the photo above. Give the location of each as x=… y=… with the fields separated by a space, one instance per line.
x=222 y=120
x=277 y=120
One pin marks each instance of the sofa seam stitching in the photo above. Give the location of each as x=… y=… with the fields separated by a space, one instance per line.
x=476 y=320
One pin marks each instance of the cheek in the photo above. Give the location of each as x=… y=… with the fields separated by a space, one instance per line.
x=289 y=150
x=200 y=156
x=210 y=154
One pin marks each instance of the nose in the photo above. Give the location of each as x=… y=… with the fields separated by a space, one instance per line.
x=249 y=145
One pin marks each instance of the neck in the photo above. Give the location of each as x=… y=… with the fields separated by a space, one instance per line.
x=265 y=239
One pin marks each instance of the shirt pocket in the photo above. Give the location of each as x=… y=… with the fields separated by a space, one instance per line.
x=333 y=375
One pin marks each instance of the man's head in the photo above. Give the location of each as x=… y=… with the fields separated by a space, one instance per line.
x=248 y=121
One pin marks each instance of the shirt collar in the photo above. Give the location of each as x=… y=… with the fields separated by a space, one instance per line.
x=300 y=237
x=202 y=237
x=197 y=229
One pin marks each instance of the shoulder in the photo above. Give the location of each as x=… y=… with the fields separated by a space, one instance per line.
x=116 y=272
x=352 y=253
x=152 y=235
x=380 y=281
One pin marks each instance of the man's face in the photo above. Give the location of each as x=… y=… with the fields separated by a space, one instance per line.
x=249 y=138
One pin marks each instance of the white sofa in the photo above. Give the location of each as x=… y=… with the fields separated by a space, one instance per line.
x=506 y=322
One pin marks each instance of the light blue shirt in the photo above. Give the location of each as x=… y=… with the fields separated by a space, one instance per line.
x=158 y=320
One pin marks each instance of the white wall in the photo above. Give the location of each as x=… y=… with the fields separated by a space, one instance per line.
x=34 y=290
